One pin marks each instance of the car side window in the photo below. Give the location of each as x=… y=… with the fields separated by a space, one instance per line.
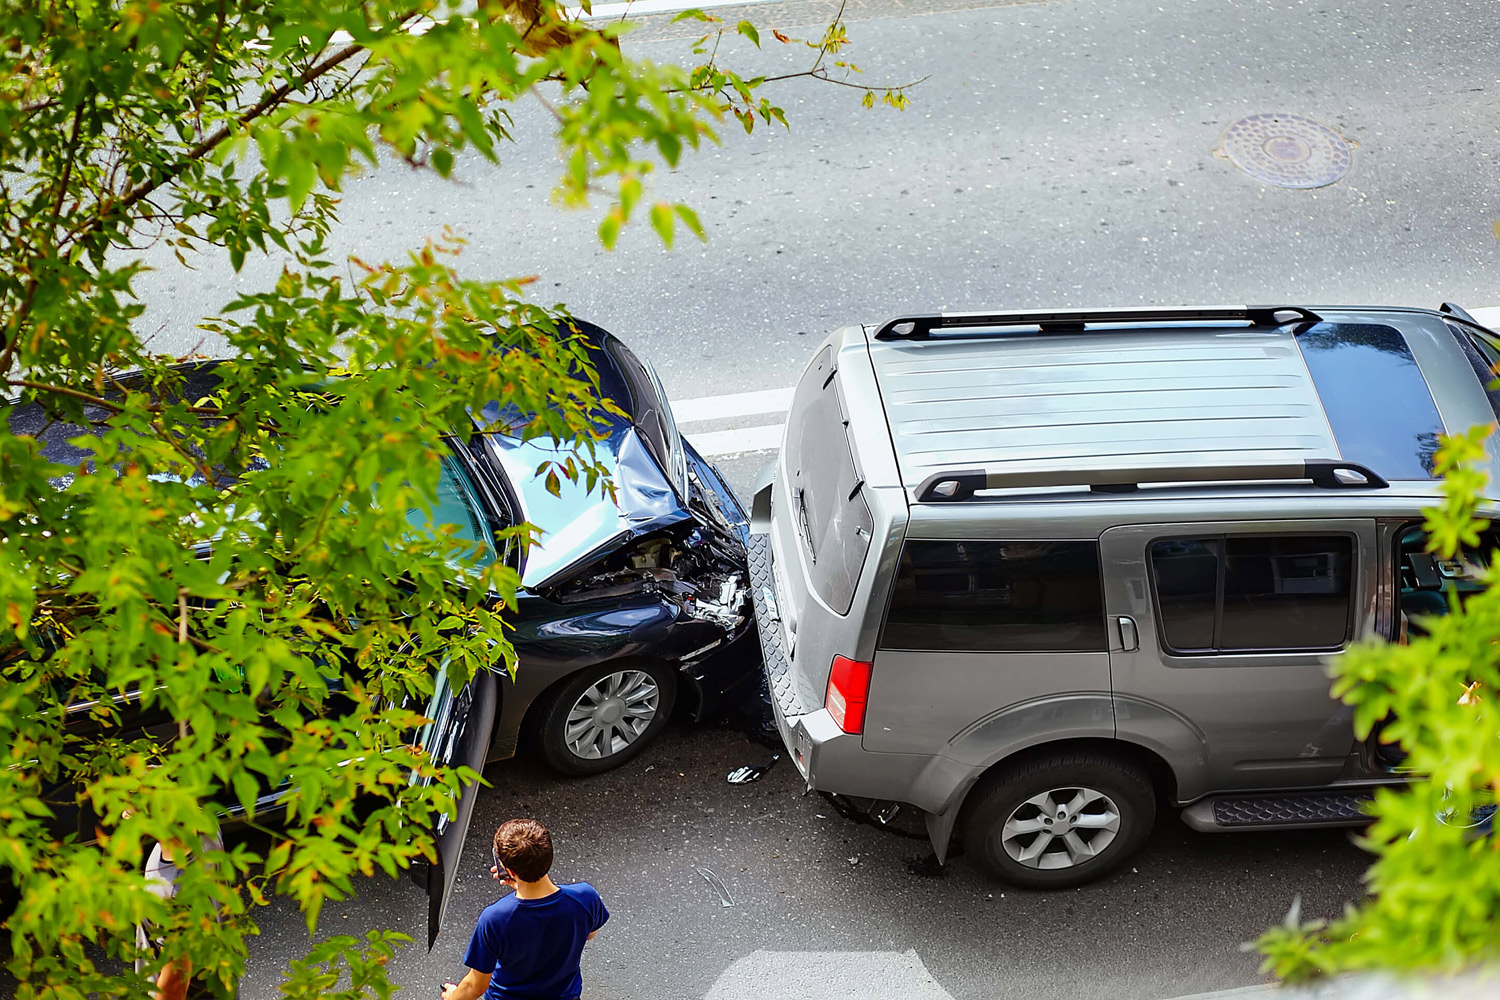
x=1248 y=593
x=997 y=596
x=457 y=505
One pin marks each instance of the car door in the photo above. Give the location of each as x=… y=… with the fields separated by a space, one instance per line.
x=1220 y=638
x=463 y=720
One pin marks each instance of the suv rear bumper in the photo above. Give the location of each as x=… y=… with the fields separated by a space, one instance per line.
x=829 y=759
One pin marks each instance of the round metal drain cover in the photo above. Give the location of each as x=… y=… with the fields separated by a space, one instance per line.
x=1287 y=150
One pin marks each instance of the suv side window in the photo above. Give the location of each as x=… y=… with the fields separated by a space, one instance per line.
x=1244 y=593
x=997 y=596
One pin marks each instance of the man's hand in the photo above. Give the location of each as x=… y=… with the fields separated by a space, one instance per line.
x=472 y=987
x=505 y=879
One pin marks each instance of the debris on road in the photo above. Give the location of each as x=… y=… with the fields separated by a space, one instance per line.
x=717 y=883
x=748 y=773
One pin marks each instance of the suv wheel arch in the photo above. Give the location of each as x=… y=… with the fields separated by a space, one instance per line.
x=941 y=826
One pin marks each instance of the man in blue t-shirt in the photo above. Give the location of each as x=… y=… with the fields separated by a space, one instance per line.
x=527 y=945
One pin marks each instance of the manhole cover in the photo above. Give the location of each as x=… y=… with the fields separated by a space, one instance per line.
x=1287 y=150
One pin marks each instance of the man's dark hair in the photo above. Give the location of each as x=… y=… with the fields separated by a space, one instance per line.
x=525 y=847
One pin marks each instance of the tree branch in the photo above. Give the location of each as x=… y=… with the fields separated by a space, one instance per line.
x=87 y=397
x=18 y=320
x=267 y=102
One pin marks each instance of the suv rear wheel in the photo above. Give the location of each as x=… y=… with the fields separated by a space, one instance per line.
x=1060 y=820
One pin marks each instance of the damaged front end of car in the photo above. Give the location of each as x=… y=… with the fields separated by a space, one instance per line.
x=651 y=576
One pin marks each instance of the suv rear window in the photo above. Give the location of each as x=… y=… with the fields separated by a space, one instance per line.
x=833 y=521
x=992 y=596
x=1236 y=593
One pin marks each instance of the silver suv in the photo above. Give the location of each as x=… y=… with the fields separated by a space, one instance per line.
x=1036 y=573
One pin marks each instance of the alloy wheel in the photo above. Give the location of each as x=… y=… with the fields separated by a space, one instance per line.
x=1061 y=828
x=611 y=714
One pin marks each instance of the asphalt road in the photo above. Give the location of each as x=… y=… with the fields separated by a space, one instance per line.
x=1057 y=154
x=825 y=908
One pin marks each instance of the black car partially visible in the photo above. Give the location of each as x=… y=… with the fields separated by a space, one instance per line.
x=628 y=607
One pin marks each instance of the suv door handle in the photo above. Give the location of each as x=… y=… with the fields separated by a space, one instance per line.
x=1128 y=639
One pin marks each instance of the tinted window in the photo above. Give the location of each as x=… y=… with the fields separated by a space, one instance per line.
x=1187 y=590
x=1253 y=592
x=1376 y=399
x=997 y=596
x=826 y=503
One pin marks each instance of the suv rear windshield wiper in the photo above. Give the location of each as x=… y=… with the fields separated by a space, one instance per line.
x=799 y=497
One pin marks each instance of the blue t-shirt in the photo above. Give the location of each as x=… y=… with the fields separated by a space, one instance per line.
x=532 y=946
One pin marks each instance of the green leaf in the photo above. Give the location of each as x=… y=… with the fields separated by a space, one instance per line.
x=690 y=219
x=662 y=220
x=609 y=228
x=748 y=30
x=442 y=161
x=670 y=147
x=301 y=175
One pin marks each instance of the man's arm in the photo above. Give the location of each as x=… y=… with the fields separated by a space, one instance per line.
x=470 y=988
x=172 y=983
x=592 y=935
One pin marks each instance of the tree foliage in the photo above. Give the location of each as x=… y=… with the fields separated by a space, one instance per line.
x=1434 y=886
x=239 y=564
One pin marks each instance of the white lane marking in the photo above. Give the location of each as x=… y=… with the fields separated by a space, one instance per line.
x=639 y=7
x=717 y=444
x=829 y=975
x=739 y=404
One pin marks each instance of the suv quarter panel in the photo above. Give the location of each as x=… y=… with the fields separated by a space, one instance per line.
x=990 y=628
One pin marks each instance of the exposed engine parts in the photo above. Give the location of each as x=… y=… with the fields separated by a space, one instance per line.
x=728 y=610
x=697 y=568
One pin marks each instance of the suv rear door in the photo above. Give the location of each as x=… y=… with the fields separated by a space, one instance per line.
x=1219 y=638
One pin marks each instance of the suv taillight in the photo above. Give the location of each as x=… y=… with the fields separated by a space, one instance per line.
x=848 y=691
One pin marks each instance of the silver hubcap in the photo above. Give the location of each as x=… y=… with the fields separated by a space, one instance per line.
x=1061 y=828
x=611 y=714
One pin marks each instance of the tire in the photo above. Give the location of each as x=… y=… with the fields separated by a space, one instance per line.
x=1089 y=786
x=577 y=748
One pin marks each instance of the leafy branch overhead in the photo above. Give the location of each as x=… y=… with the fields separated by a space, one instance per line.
x=241 y=551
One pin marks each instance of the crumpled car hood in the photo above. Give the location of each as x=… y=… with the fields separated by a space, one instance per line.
x=580 y=525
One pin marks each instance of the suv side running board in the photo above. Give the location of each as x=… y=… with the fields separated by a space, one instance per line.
x=962 y=484
x=1287 y=811
x=1077 y=320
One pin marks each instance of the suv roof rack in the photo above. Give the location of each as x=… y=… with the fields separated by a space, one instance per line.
x=1076 y=320
x=962 y=484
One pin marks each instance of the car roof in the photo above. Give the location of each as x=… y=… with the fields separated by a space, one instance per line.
x=1119 y=397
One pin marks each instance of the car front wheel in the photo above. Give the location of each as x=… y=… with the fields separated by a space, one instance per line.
x=1060 y=820
x=604 y=716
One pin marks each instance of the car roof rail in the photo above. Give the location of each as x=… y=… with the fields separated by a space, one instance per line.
x=962 y=484
x=1077 y=320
